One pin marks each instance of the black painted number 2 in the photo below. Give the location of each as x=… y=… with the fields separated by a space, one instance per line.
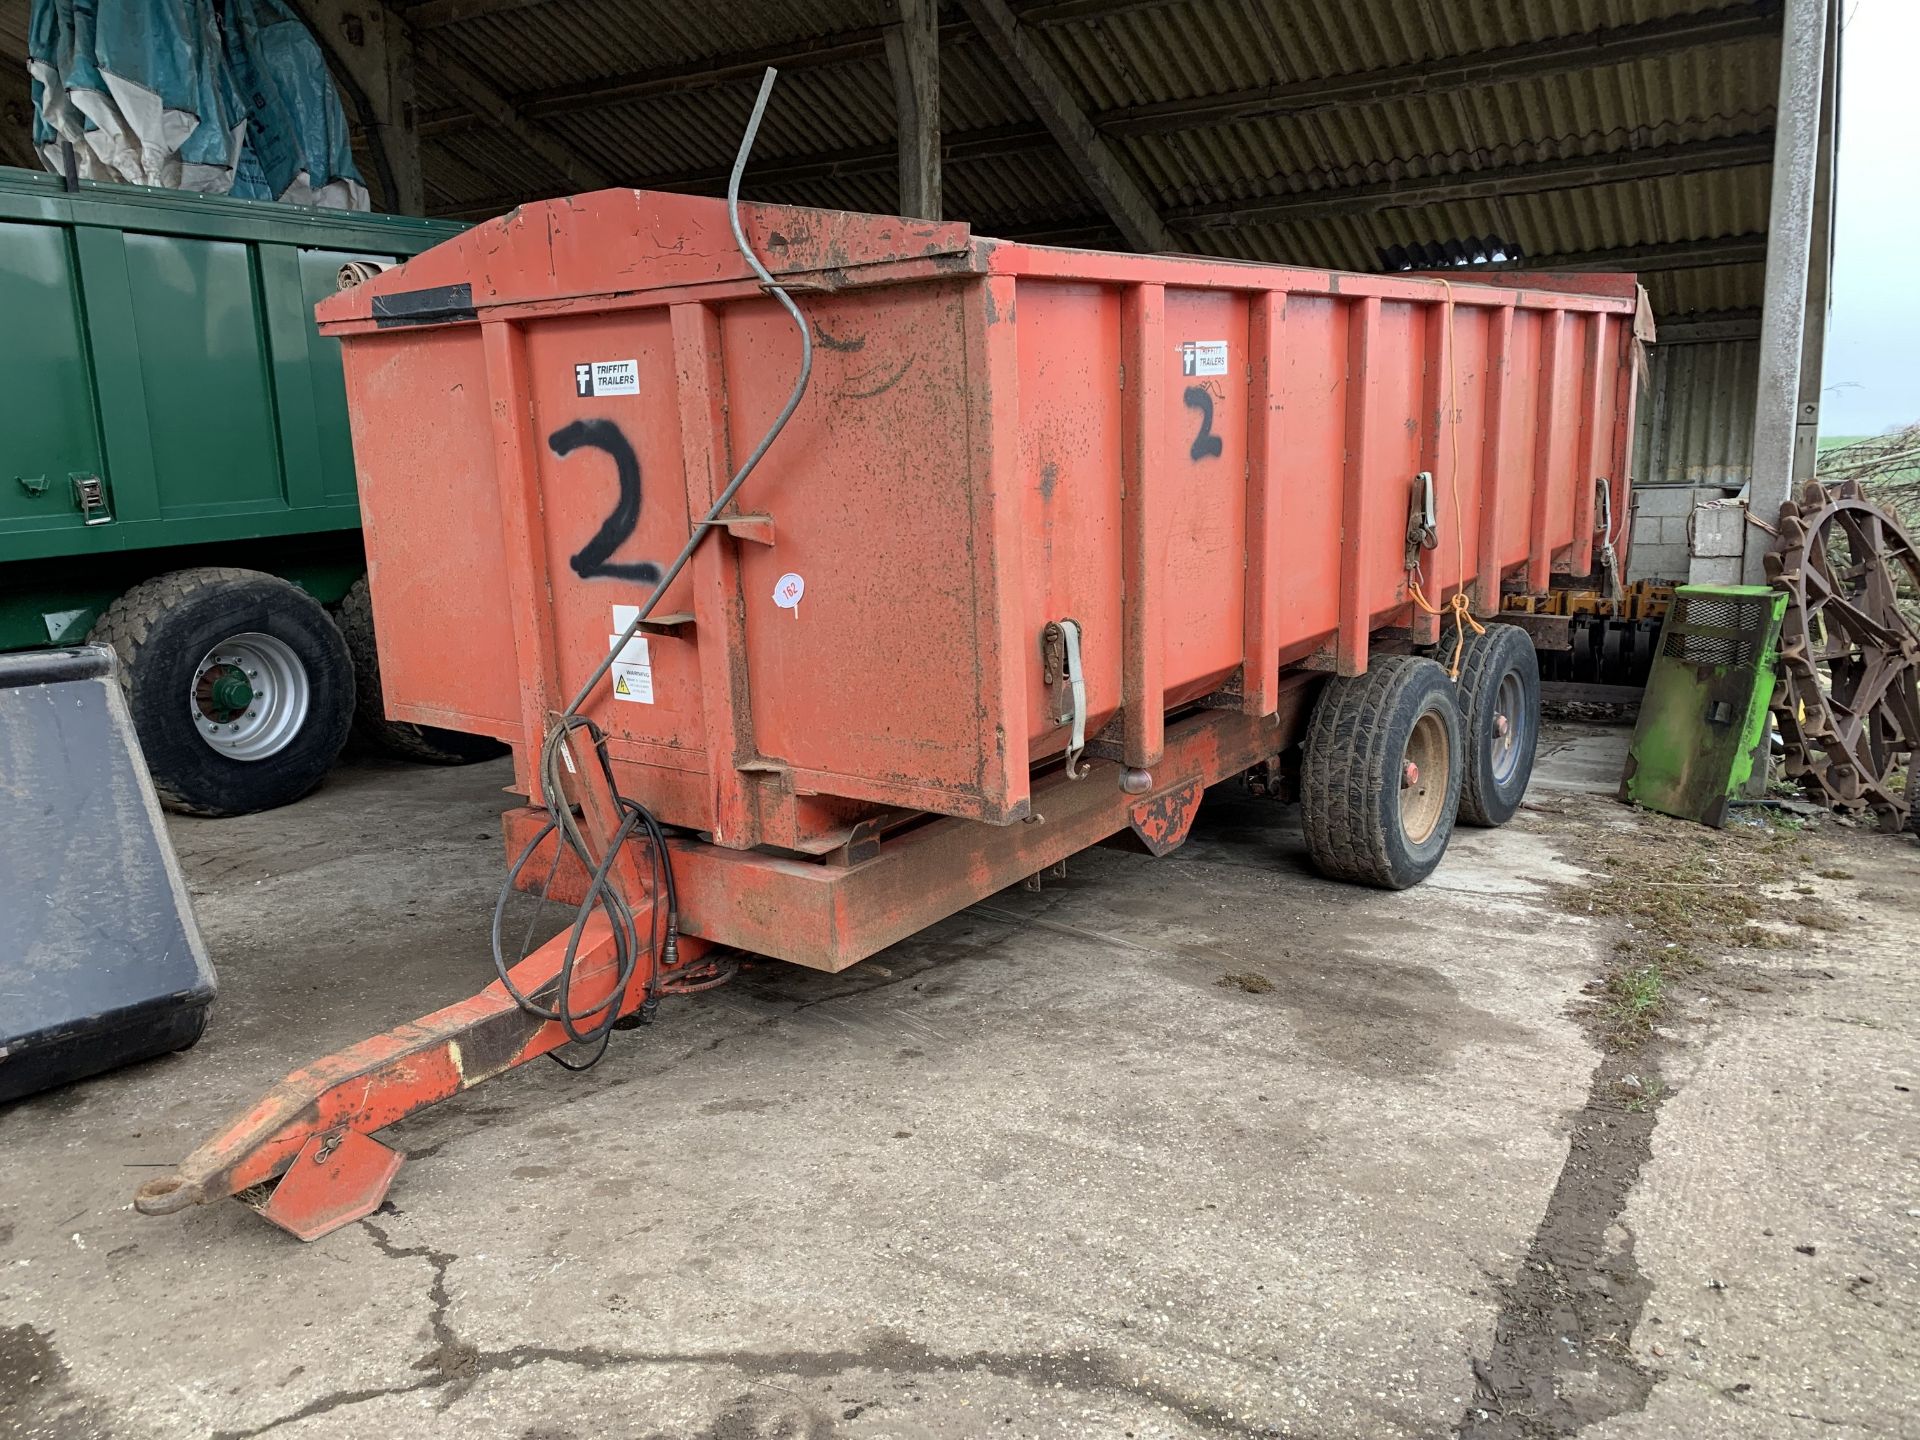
x=591 y=560
x=1206 y=445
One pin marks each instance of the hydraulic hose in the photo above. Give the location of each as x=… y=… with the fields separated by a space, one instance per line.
x=593 y=1024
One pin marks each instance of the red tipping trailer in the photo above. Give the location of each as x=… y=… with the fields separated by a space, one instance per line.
x=1052 y=541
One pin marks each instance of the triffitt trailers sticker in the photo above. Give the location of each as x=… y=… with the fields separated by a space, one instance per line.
x=1203 y=357
x=606 y=377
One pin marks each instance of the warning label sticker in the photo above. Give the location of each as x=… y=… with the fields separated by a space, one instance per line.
x=633 y=682
x=1203 y=357
x=632 y=673
x=606 y=377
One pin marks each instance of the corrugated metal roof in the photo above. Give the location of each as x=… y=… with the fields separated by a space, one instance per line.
x=828 y=134
x=1696 y=424
x=567 y=42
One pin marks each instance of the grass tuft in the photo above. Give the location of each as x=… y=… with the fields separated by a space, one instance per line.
x=1635 y=998
x=1684 y=894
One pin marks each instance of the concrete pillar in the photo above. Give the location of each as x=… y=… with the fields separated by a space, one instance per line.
x=1783 y=313
x=1806 y=443
x=913 y=55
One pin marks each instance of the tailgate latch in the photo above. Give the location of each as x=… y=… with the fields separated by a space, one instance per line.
x=91 y=496
x=1423 y=523
x=1066 y=686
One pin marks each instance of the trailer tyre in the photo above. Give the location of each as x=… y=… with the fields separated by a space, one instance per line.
x=239 y=685
x=1380 y=778
x=426 y=743
x=1500 y=705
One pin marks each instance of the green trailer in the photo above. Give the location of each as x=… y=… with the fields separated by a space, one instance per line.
x=176 y=475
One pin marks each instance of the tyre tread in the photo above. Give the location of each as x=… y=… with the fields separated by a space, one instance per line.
x=128 y=622
x=1479 y=664
x=1344 y=769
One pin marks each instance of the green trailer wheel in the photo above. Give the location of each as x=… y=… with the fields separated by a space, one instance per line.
x=168 y=411
x=240 y=686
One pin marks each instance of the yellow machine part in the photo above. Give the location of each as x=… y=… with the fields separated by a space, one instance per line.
x=1641 y=600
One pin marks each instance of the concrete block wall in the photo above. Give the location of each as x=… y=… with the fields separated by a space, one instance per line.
x=1687 y=533
x=1719 y=529
x=1660 y=529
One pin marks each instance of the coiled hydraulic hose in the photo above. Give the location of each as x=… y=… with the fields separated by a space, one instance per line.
x=592 y=1025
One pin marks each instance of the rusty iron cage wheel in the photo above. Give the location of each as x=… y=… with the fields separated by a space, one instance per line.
x=1846 y=704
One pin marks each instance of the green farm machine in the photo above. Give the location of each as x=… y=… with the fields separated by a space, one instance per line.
x=177 y=480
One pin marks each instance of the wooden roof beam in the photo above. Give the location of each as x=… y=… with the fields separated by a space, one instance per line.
x=1098 y=165
x=1646 y=259
x=434 y=14
x=1614 y=168
x=1758 y=19
x=572 y=170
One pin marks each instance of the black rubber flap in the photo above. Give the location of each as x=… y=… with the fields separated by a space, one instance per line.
x=100 y=961
x=435 y=306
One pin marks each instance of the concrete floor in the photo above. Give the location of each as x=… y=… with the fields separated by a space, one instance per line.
x=1033 y=1173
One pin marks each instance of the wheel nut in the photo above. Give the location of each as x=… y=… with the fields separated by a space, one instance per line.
x=1410 y=776
x=1500 y=725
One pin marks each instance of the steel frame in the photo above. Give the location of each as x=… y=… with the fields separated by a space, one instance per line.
x=828 y=915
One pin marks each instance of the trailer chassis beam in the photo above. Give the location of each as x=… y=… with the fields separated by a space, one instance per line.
x=829 y=916
x=314 y=1129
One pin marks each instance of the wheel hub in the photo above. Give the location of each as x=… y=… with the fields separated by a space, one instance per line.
x=230 y=693
x=249 y=696
x=1423 y=778
x=1508 y=701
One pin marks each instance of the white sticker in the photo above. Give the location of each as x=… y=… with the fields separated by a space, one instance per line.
x=787 y=591
x=632 y=670
x=606 y=377
x=633 y=667
x=1203 y=357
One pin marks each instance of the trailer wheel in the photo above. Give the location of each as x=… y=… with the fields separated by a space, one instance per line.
x=1380 y=779
x=239 y=685
x=1500 y=705
x=426 y=743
